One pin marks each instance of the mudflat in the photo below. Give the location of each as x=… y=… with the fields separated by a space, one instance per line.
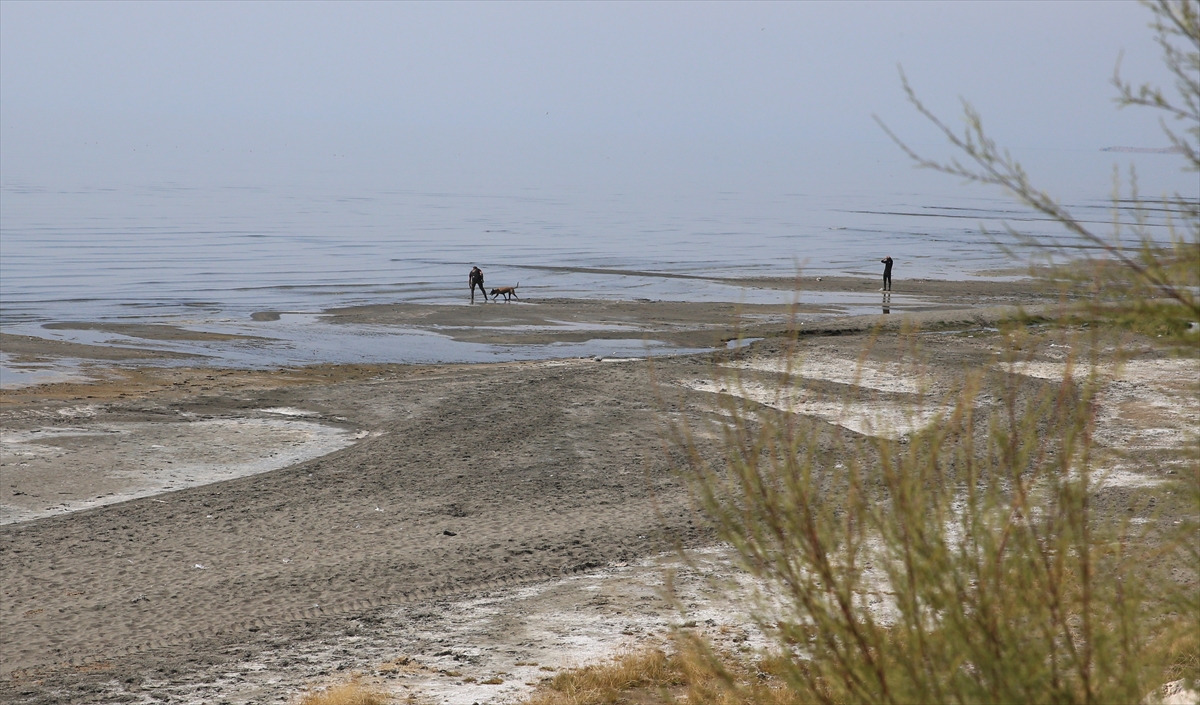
x=164 y=522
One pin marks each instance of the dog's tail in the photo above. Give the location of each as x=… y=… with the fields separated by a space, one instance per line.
x=518 y=284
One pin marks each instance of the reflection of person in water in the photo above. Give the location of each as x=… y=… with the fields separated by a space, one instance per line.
x=887 y=302
x=475 y=279
x=887 y=273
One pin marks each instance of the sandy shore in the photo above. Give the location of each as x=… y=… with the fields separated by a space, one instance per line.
x=168 y=526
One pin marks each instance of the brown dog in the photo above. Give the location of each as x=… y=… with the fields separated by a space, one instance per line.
x=508 y=292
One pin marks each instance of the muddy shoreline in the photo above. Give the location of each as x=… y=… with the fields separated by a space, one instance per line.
x=535 y=327
x=453 y=482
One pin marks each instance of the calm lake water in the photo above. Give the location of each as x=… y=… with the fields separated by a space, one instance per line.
x=173 y=253
x=114 y=253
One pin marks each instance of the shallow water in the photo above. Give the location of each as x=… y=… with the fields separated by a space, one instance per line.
x=27 y=374
x=136 y=252
x=210 y=257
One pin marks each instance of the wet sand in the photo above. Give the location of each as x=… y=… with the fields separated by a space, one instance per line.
x=447 y=482
x=631 y=324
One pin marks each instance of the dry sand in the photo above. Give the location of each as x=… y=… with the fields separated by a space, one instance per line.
x=185 y=534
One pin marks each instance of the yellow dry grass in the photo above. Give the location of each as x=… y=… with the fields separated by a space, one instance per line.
x=352 y=693
x=653 y=677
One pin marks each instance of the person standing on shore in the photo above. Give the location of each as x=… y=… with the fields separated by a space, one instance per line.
x=887 y=273
x=475 y=279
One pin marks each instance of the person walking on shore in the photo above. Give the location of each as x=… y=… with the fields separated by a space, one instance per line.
x=475 y=279
x=887 y=273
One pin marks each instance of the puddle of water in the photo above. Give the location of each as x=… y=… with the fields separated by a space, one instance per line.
x=15 y=375
x=740 y=343
x=552 y=325
x=300 y=339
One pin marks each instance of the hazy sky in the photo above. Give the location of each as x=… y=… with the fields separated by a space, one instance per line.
x=547 y=95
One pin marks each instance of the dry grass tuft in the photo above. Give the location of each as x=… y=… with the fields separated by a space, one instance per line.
x=353 y=693
x=652 y=676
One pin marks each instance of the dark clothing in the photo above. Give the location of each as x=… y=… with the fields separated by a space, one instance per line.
x=475 y=279
x=887 y=273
